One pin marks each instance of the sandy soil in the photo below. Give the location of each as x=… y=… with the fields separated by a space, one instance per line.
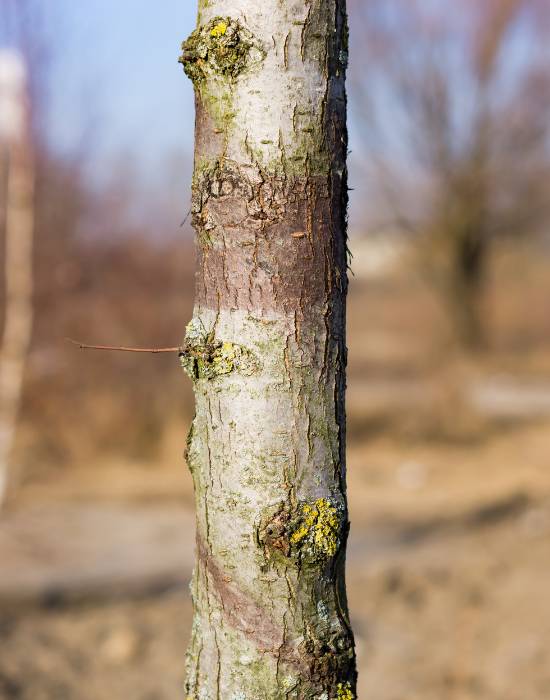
x=448 y=578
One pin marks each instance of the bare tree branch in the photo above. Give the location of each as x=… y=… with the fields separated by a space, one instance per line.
x=121 y=348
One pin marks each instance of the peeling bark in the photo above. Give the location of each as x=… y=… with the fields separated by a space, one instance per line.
x=266 y=448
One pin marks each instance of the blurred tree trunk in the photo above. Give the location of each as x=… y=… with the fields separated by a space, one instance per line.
x=19 y=228
x=462 y=230
x=469 y=259
x=268 y=353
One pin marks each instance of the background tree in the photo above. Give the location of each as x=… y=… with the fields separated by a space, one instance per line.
x=455 y=109
x=266 y=351
x=92 y=251
x=17 y=165
x=21 y=96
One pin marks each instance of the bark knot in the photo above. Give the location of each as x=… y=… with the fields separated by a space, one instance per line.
x=223 y=47
x=224 y=196
x=310 y=532
x=205 y=357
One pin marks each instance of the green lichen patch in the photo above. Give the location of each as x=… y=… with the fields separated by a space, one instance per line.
x=222 y=48
x=205 y=357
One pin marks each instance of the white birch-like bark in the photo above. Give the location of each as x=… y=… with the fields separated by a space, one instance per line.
x=267 y=352
x=19 y=228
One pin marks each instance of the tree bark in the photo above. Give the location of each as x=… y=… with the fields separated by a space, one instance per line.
x=266 y=352
x=19 y=234
x=469 y=260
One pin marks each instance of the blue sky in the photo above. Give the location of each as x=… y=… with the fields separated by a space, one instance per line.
x=119 y=96
x=116 y=81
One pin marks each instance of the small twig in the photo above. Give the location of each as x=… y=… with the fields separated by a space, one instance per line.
x=85 y=346
x=186 y=217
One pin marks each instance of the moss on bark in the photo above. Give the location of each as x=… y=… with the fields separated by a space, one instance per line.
x=221 y=48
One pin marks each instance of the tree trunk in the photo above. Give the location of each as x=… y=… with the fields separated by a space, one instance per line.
x=469 y=270
x=19 y=233
x=266 y=352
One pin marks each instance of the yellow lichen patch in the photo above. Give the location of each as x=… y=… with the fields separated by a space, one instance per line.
x=219 y=29
x=309 y=516
x=224 y=358
x=318 y=528
x=343 y=691
x=299 y=534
